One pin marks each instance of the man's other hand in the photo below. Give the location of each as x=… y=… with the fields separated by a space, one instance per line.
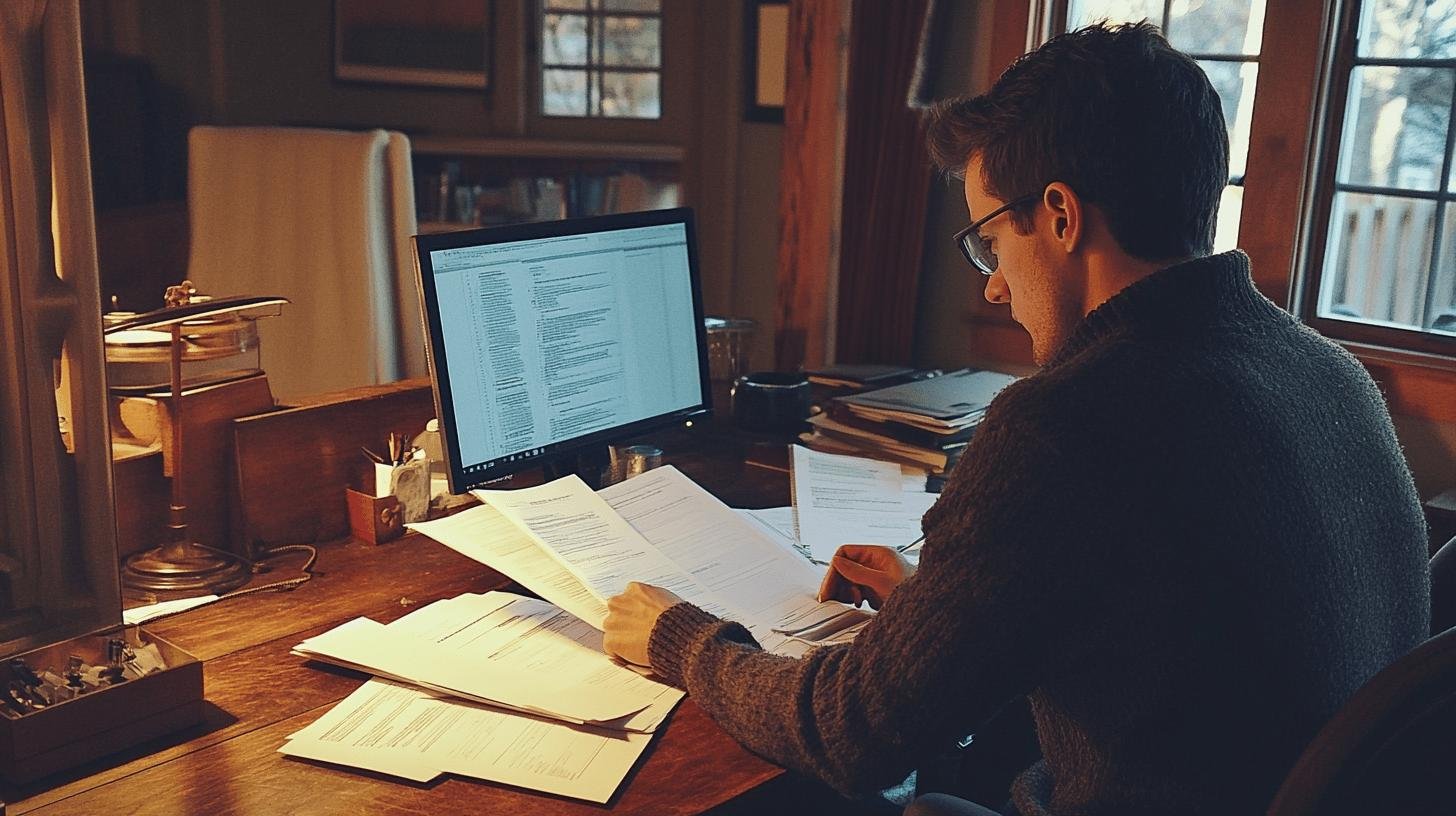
x=630 y=618
x=864 y=572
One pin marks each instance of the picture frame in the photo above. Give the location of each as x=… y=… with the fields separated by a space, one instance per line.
x=441 y=44
x=766 y=35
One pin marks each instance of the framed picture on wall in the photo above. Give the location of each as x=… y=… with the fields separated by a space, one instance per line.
x=440 y=44
x=766 y=30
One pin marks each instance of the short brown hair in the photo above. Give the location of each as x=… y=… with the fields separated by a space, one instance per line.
x=1127 y=121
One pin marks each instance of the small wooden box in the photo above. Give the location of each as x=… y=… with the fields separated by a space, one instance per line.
x=374 y=519
x=101 y=722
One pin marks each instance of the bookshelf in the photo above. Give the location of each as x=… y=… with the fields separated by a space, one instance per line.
x=465 y=182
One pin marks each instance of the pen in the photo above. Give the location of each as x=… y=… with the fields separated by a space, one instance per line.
x=372 y=455
x=904 y=547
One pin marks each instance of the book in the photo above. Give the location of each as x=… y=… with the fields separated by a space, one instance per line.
x=950 y=401
x=842 y=419
x=859 y=375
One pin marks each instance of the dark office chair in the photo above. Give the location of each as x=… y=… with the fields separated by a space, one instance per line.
x=1388 y=749
x=1443 y=587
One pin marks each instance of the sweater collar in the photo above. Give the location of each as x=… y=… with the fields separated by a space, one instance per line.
x=1171 y=296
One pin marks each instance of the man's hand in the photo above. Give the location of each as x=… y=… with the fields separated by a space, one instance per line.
x=864 y=572
x=630 y=618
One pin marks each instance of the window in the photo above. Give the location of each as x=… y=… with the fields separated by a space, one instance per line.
x=601 y=58
x=1225 y=37
x=1385 y=250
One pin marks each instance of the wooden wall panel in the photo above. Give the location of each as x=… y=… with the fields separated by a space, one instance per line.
x=810 y=195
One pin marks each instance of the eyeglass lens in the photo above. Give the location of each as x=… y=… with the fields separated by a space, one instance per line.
x=976 y=251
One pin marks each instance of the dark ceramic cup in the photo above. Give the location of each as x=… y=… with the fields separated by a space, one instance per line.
x=771 y=401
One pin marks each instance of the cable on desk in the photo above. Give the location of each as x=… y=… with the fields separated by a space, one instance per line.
x=257 y=567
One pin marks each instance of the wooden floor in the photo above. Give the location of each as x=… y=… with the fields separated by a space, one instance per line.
x=257 y=694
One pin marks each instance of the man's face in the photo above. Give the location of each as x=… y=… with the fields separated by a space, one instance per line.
x=1034 y=274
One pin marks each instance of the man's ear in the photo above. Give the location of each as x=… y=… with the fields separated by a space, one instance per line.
x=1064 y=208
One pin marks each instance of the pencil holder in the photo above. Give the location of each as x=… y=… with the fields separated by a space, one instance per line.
x=374 y=519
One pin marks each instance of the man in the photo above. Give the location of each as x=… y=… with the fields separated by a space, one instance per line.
x=1187 y=539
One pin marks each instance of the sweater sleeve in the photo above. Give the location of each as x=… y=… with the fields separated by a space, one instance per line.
x=974 y=627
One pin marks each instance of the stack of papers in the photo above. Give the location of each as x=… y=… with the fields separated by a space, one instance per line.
x=575 y=728
x=927 y=422
x=940 y=404
x=852 y=500
x=502 y=650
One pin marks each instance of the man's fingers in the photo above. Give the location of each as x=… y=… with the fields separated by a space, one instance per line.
x=854 y=571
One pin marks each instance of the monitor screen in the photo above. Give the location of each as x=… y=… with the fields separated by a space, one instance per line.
x=546 y=339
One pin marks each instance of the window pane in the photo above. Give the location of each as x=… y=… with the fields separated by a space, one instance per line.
x=632 y=41
x=1235 y=82
x=1395 y=127
x=1216 y=26
x=1408 y=28
x=1443 y=300
x=563 y=93
x=1083 y=12
x=563 y=39
x=566 y=5
x=1377 y=257
x=633 y=95
x=634 y=5
x=1230 y=207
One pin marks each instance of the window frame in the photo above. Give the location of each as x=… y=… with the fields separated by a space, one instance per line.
x=675 y=86
x=595 y=66
x=1334 y=104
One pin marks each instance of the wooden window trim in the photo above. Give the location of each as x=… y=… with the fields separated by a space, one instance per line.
x=1335 y=101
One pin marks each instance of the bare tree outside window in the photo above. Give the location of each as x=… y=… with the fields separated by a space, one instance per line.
x=1390 y=245
x=601 y=58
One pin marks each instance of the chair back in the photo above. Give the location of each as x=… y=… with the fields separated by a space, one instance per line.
x=1389 y=748
x=1443 y=587
x=324 y=218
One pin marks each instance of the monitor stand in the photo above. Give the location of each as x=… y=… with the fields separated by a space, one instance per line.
x=589 y=464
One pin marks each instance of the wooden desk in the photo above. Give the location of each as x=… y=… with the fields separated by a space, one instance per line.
x=258 y=694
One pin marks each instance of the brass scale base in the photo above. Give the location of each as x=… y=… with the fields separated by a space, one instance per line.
x=185 y=567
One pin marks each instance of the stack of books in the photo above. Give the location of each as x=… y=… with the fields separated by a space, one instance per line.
x=926 y=423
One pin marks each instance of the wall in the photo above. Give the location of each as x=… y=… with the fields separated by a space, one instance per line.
x=278 y=62
x=755 y=295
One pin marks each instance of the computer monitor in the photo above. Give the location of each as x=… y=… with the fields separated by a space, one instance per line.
x=554 y=339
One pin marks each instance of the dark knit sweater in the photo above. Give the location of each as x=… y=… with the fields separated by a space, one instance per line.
x=1188 y=539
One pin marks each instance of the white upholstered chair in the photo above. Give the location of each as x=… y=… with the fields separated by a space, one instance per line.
x=323 y=217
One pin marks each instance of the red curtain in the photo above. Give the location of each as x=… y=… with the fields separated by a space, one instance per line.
x=886 y=186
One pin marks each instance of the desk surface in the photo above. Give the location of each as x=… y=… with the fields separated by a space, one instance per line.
x=257 y=694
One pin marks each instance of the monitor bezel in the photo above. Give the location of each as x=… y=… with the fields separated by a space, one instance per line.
x=460 y=481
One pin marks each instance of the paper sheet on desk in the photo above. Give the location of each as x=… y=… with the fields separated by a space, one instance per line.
x=397 y=730
x=852 y=500
x=142 y=614
x=543 y=640
x=395 y=654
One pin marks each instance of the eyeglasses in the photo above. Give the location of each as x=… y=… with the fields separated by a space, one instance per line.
x=973 y=245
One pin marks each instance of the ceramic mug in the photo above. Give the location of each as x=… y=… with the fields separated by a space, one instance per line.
x=771 y=401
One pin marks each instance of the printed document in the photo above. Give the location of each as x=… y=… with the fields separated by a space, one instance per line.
x=393 y=729
x=661 y=528
x=852 y=500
